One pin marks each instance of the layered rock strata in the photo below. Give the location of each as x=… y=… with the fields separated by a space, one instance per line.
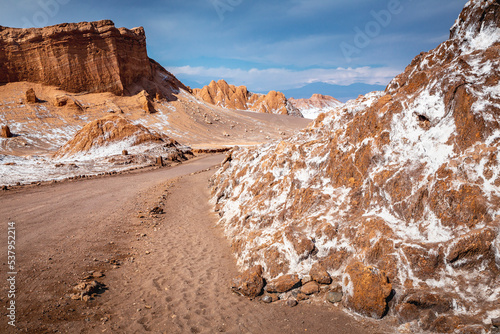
x=82 y=57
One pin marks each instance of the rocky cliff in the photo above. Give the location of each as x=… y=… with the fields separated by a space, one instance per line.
x=315 y=105
x=400 y=187
x=222 y=94
x=83 y=57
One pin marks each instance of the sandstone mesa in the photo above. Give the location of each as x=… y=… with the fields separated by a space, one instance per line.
x=83 y=57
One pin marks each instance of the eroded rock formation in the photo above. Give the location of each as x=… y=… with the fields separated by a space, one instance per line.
x=83 y=57
x=31 y=96
x=5 y=132
x=111 y=130
x=405 y=182
x=222 y=94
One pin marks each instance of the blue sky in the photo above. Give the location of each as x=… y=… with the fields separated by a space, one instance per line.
x=265 y=45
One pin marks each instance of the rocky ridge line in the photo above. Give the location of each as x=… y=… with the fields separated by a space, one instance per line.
x=222 y=94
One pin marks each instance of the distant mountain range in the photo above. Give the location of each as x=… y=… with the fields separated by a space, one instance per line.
x=341 y=93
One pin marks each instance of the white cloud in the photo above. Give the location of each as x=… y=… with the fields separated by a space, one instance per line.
x=281 y=78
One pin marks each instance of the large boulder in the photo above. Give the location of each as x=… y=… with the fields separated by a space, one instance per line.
x=249 y=283
x=319 y=274
x=31 y=96
x=366 y=290
x=283 y=283
x=69 y=102
x=144 y=100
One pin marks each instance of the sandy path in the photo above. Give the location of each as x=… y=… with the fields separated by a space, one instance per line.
x=166 y=273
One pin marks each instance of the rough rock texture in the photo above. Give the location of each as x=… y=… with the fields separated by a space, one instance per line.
x=5 y=132
x=145 y=101
x=222 y=94
x=110 y=132
x=366 y=290
x=315 y=105
x=310 y=288
x=82 y=57
x=406 y=181
x=319 y=274
x=69 y=102
x=249 y=283
x=31 y=96
x=283 y=284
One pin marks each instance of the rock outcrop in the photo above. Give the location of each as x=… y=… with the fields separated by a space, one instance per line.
x=31 y=96
x=405 y=181
x=110 y=135
x=366 y=290
x=5 y=132
x=83 y=57
x=145 y=101
x=315 y=105
x=222 y=94
x=249 y=283
x=68 y=102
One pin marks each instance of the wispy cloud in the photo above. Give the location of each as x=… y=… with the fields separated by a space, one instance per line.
x=269 y=79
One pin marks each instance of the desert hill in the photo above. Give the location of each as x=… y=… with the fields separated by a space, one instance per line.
x=222 y=94
x=110 y=135
x=395 y=195
x=315 y=105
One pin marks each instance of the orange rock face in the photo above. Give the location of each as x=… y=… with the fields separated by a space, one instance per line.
x=319 y=274
x=406 y=181
x=249 y=283
x=222 y=94
x=366 y=290
x=80 y=57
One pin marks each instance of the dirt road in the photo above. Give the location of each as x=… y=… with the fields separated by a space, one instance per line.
x=163 y=272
